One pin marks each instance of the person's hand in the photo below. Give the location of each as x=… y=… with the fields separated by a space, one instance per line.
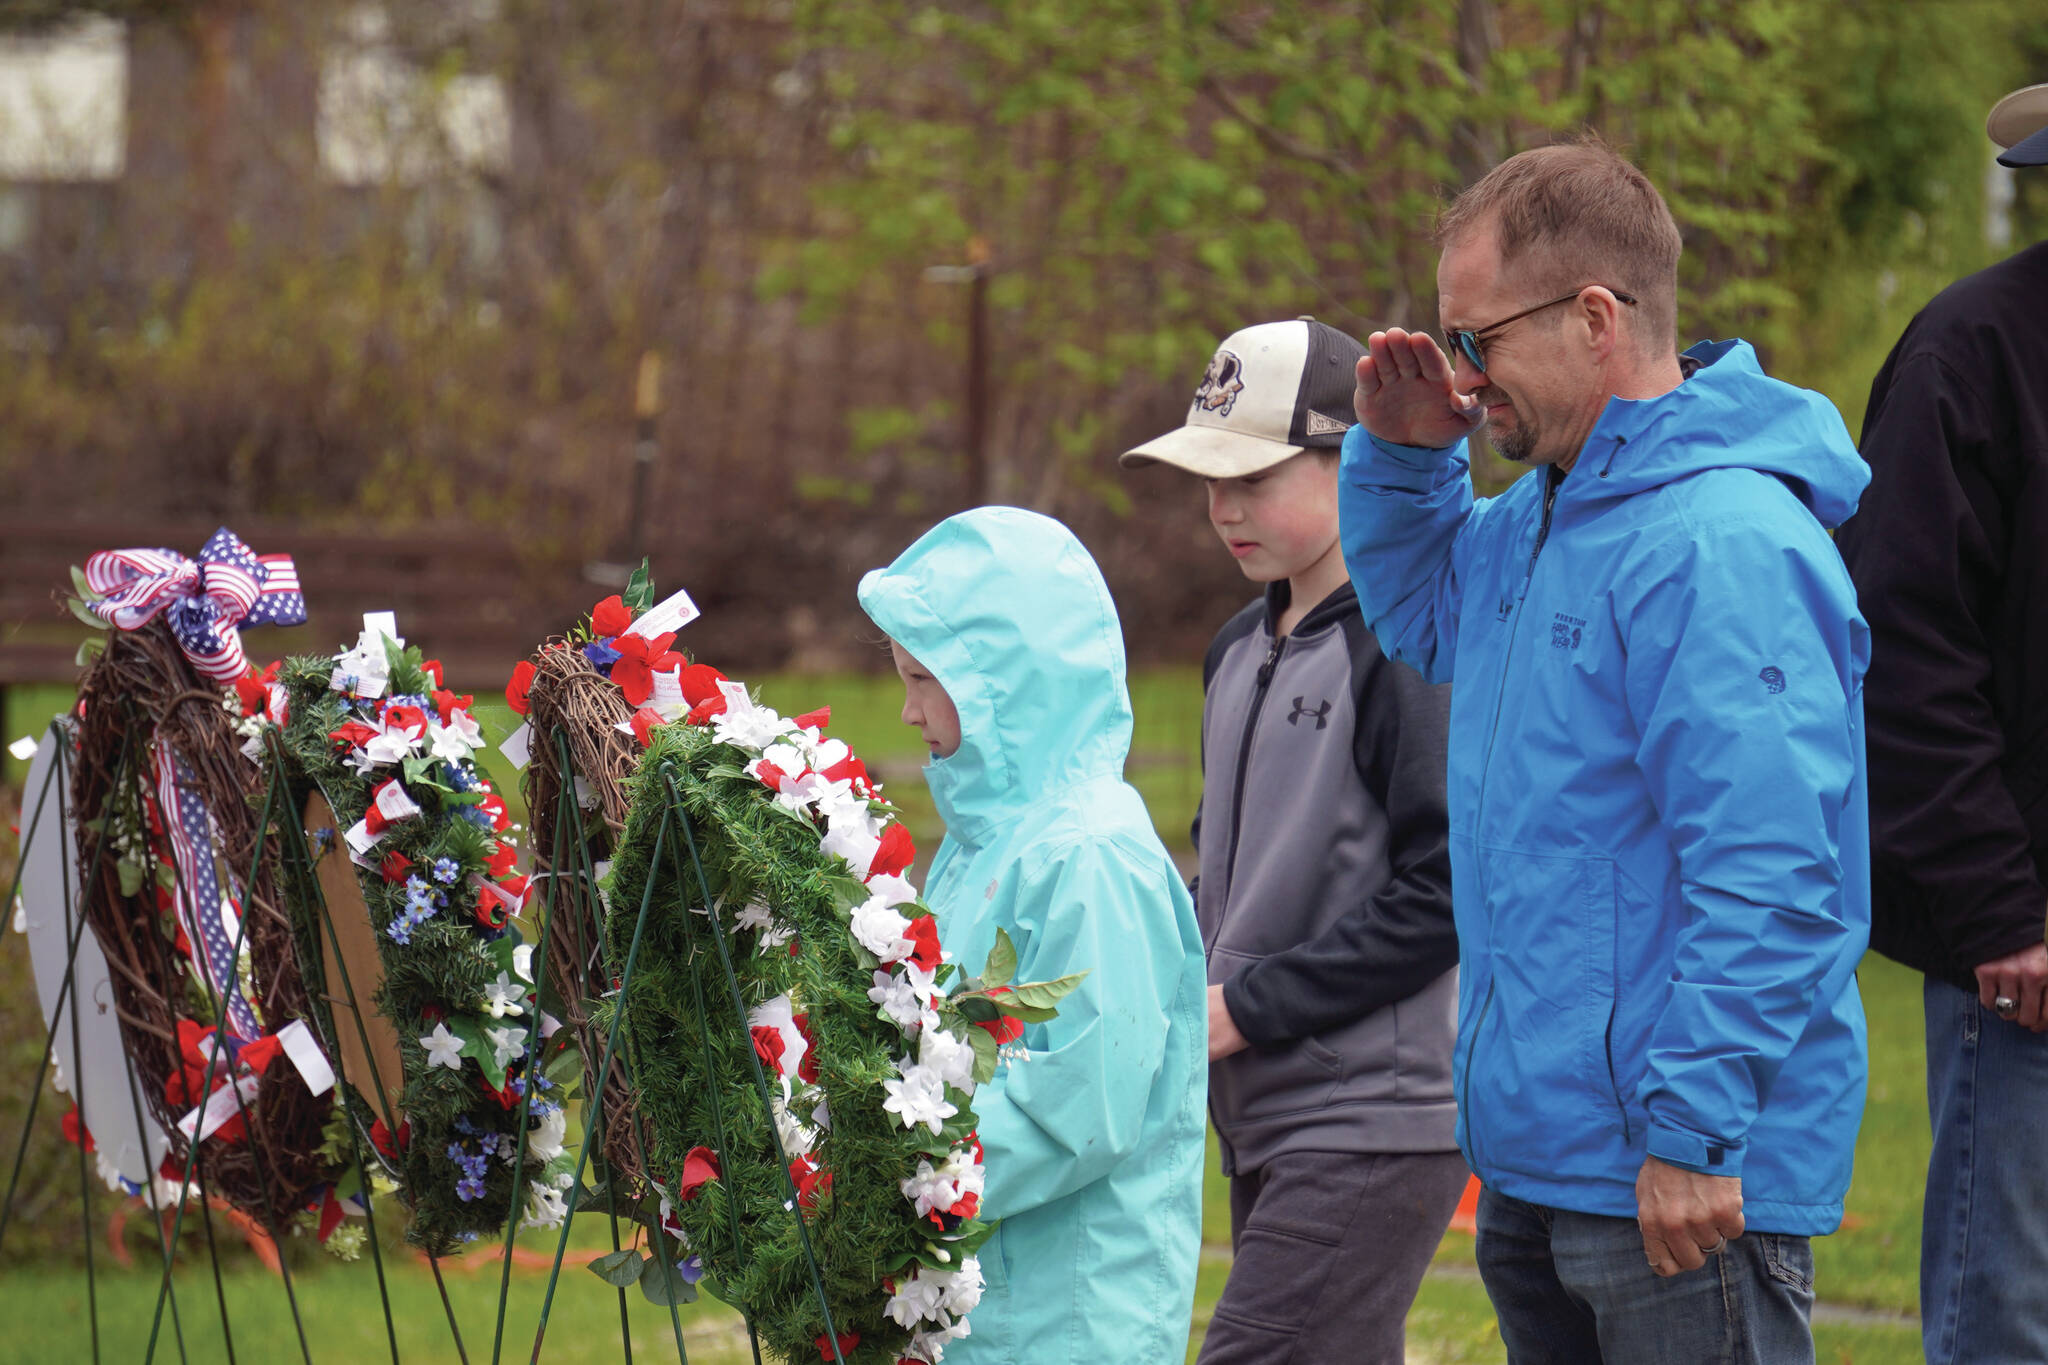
x=1685 y=1217
x=1224 y=1038
x=1405 y=394
x=2021 y=978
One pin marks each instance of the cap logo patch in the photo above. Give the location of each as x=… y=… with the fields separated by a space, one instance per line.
x=1222 y=382
x=1318 y=425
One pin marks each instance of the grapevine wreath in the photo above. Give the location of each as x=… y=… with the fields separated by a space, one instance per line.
x=382 y=756
x=870 y=1063
x=169 y=812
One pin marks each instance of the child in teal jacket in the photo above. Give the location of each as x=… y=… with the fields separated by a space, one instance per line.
x=1013 y=663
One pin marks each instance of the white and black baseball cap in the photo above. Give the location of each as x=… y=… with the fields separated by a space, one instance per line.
x=1271 y=392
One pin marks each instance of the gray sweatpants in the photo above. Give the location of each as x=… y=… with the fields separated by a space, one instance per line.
x=1330 y=1251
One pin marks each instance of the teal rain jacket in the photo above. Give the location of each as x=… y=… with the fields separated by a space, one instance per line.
x=1094 y=1144
x=1659 y=846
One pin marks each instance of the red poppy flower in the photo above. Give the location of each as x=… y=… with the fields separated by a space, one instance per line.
x=352 y=735
x=610 y=617
x=395 y=866
x=490 y=912
x=644 y=722
x=895 y=853
x=700 y=1168
x=1003 y=1028
x=447 y=703
x=703 y=711
x=700 y=684
x=847 y=1341
x=812 y=1181
x=506 y=860
x=252 y=692
x=432 y=668
x=522 y=683
x=405 y=719
x=768 y=1046
x=75 y=1131
x=924 y=932
x=815 y=720
x=639 y=660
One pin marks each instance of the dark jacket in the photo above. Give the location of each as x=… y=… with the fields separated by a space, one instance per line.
x=1950 y=557
x=1324 y=889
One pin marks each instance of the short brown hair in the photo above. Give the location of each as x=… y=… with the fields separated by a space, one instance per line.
x=1582 y=215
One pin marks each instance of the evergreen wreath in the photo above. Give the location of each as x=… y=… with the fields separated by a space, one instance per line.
x=869 y=1130
x=374 y=730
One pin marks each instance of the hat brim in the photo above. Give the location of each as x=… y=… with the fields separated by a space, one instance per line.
x=2018 y=117
x=1211 y=452
x=2028 y=151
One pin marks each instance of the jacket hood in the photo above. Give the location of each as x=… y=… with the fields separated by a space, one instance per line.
x=1011 y=615
x=1728 y=414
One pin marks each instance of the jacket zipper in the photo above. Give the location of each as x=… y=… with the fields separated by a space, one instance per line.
x=1244 y=752
x=1551 y=484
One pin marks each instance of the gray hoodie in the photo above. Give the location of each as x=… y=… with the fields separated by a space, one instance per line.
x=1324 y=889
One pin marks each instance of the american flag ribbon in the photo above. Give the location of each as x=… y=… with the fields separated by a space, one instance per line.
x=210 y=926
x=207 y=601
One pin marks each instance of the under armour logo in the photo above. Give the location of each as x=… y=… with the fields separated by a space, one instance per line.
x=1320 y=713
x=1773 y=679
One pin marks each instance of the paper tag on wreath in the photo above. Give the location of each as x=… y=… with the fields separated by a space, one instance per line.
x=671 y=613
x=518 y=746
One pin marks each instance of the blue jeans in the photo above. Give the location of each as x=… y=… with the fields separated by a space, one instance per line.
x=1984 y=1232
x=1576 y=1289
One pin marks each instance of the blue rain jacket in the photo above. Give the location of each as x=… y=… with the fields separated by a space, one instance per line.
x=1659 y=847
x=1094 y=1145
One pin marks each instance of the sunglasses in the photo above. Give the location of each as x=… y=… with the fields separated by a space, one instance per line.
x=1470 y=342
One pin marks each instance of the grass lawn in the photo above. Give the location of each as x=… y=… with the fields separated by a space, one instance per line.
x=1871 y=1266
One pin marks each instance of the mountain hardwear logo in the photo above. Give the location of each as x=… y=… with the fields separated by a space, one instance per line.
x=1320 y=714
x=1566 y=631
x=1773 y=679
x=1222 y=382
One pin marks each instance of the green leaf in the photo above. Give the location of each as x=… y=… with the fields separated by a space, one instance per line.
x=664 y=1287
x=984 y=1055
x=90 y=648
x=1045 y=994
x=977 y=1009
x=619 y=1268
x=1002 y=961
x=638 y=597
x=131 y=877
x=80 y=586
x=80 y=610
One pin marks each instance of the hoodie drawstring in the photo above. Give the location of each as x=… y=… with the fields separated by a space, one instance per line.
x=1619 y=442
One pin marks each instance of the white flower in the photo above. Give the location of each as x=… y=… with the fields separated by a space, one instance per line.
x=364 y=670
x=545 y=1207
x=390 y=746
x=502 y=997
x=882 y=931
x=506 y=1044
x=897 y=997
x=545 y=1142
x=787 y=757
x=746 y=724
x=451 y=743
x=443 y=1048
x=826 y=753
x=963 y=1286
x=780 y=1015
x=944 y=1185
x=854 y=843
x=809 y=789
x=755 y=916
x=946 y=1054
x=522 y=963
x=919 y=1097
x=775 y=937
x=931 y=1346
x=915 y=1300
x=891 y=889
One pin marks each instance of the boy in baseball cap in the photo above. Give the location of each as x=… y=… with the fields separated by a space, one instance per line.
x=1324 y=884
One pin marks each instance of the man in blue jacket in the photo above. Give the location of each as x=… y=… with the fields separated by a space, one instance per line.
x=1657 y=809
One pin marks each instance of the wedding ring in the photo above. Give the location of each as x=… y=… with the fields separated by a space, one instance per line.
x=1715 y=1248
x=2005 y=1006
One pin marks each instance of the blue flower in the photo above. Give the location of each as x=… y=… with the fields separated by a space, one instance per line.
x=455 y=1153
x=401 y=929
x=691 y=1268
x=476 y=816
x=468 y=1188
x=419 y=899
x=446 y=870
x=601 y=655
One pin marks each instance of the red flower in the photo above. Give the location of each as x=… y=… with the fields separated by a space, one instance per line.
x=812 y=1182
x=521 y=684
x=505 y=861
x=505 y=1095
x=447 y=703
x=252 y=692
x=895 y=853
x=700 y=1168
x=406 y=719
x=352 y=735
x=807 y=1069
x=768 y=1046
x=703 y=711
x=75 y=1131
x=850 y=769
x=771 y=776
x=700 y=685
x=847 y=1341
x=815 y=720
x=394 y=866
x=432 y=668
x=1003 y=1028
x=968 y=1207
x=380 y=1137
x=644 y=722
x=610 y=617
x=924 y=932
x=490 y=911
x=494 y=806
x=639 y=660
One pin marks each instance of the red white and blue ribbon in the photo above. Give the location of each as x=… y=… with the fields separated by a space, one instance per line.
x=207 y=601
x=197 y=896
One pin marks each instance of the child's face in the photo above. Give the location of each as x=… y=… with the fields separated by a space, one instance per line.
x=1279 y=521
x=926 y=705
